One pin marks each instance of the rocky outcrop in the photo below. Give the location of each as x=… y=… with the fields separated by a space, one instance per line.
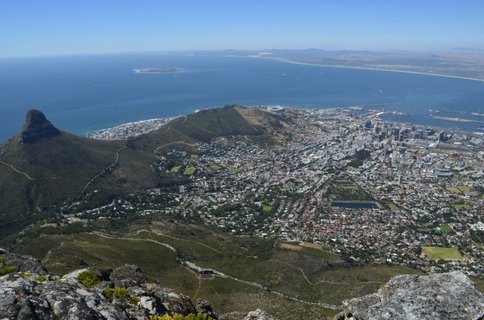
x=437 y=296
x=258 y=315
x=27 y=291
x=203 y=306
x=37 y=127
x=252 y=315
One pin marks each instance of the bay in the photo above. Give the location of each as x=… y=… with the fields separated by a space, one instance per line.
x=82 y=94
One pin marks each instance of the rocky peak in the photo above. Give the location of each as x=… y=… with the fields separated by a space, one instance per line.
x=437 y=296
x=37 y=127
x=28 y=291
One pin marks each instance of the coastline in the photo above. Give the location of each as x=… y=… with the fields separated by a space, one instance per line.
x=365 y=68
x=129 y=129
x=136 y=128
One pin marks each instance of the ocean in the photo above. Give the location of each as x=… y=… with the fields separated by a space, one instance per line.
x=82 y=94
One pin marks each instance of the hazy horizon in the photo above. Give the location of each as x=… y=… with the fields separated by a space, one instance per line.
x=55 y=27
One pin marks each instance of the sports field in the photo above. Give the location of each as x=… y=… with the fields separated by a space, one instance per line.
x=436 y=253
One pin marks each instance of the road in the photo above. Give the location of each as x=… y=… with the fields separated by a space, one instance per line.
x=221 y=274
x=103 y=171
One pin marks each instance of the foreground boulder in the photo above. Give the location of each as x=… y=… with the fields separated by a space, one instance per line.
x=252 y=315
x=27 y=291
x=437 y=296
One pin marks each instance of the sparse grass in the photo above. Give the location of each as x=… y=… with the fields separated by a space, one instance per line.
x=441 y=253
x=260 y=260
x=121 y=294
x=191 y=316
x=478 y=283
x=290 y=246
x=215 y=167
x=194 y=156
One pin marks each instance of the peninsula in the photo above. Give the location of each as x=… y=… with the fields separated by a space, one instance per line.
x=157 y=70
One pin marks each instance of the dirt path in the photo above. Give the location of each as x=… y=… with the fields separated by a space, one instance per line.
x=222 y=275
x=16 y=170
x=303 y=274
x=185 y=240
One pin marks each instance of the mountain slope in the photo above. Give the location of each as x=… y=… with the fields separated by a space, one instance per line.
x=256 y=124
x=43 y=166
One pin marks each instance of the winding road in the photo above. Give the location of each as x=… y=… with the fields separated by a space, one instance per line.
x=93 y=179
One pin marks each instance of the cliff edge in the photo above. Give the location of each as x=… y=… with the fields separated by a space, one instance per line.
x=437 y=296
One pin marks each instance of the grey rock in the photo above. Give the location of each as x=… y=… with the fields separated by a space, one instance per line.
x=346 y=315
x=203 y=306
x=128 y=275
x=23 y=264
x=172 y=301
x=437 y=296
x=150 y=304
x=22 y=297
x=258 y=315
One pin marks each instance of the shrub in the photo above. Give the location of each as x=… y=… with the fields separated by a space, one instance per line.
x=88 y=278
x=177 y=316
x=7 y=269
x=121 y=294
x=41 y=279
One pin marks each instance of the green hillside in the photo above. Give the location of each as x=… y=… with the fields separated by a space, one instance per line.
x=184 y=132
x=43 y=166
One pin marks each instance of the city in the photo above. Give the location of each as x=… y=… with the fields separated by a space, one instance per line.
x=368 y=189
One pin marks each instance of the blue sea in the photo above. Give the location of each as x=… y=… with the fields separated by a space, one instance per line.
x=81 y=94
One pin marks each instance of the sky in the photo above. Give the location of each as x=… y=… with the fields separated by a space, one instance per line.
x=53 y=27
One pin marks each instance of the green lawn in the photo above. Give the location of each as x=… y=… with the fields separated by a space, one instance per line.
x=194 y=156
x=462 y=206
x=176 y=169
x=436 y=253
x=189 y=171
x=266 y=208
x=460 y=189
x=393 y=206
x=454 y=189
x=215 y=167
x=446 y=228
